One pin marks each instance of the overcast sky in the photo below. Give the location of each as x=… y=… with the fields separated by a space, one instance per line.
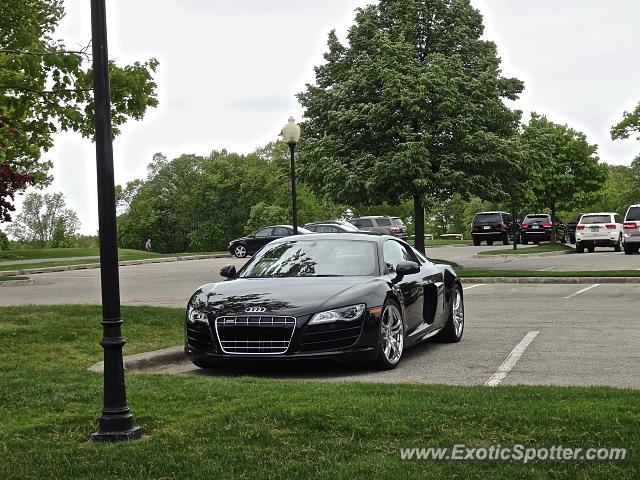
x=229 y=70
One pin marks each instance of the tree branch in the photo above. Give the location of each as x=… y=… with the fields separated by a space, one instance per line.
x=46 y=54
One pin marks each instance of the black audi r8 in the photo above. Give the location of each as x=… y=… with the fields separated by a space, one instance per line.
x=325 y=296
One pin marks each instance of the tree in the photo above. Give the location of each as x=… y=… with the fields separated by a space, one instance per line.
x=629 y=124
x=46 y=88
x=570 y=174
x=262 y=215
x=410 y=108
x=40 y=216
x=62 y=235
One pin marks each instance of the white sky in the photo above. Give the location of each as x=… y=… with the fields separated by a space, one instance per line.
x=229 y=70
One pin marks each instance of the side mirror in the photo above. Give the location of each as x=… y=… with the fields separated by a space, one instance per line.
x=405 y=268
x=228 y=271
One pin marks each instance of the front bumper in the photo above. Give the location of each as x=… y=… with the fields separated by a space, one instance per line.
x=351 y=341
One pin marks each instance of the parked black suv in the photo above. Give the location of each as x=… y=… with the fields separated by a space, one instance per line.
x=382 y=224
x=536 y=228
x=243 y=246
x=490 y=226
x=571 y=228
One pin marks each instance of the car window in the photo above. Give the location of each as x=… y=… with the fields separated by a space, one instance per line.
x=362 y=222
x=617 y=218
x=281 y=232
x=595 y=219
x=265 y=232
x=633 y=214
x=537 y=219
x=347 y=227
x=420 y=256
x=397 y=221
x=383 y=222
x=483 y=218
x=393 y=253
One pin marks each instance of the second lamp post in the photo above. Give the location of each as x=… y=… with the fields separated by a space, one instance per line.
x=291 y=135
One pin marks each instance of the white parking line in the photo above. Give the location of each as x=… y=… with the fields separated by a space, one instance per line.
x=548 y=268
x=583 y=290
x=480 y=284
x=511 y=360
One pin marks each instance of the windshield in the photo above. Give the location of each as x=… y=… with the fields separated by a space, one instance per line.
x=481 y=218
x=314 y=258
x=595 y=219
x=633 y=214
x=537 y=219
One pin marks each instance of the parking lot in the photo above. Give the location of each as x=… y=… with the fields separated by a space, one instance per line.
x=587 y=335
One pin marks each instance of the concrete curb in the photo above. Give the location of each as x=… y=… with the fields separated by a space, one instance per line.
x=16 y=283
x=524 y=255
x=548 y=280
x=141 y=361
x=84 y=266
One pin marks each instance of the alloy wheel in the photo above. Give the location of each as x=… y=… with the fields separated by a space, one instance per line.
x=240 y=251
x=392 y=334
x=457 y=313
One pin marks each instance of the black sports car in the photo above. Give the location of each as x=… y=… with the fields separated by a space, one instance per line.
x=333 y=295
x=243 y=246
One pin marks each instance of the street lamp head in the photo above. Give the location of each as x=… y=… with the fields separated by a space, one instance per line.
x=291 y=132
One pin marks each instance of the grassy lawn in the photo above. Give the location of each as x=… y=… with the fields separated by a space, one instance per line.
x=528 y=250
x=6 y=279
x=123 y=255
x=547 y=273
x=214 y=428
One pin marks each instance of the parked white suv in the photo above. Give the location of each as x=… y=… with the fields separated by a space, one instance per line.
x=599 y=230
x=631 y=232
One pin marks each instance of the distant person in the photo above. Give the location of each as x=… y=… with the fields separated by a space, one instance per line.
x=147 y=246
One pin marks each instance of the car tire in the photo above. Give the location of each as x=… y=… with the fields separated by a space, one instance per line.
x=579 y=248
x=476 y=242
x=628 y=249
x=591 y=249
x=572 y=239
x=505 y=240
x=240 y=250
x=618 y=246
x=489 y=242
x=536 y=242
x=391 y=342
x=454 y=328
x=524 y=241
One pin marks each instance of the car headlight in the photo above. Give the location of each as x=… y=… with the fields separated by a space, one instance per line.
x=194 y=315
x=345 y=313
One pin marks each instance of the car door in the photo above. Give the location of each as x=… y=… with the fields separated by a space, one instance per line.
x=260 y=239
x=410 y=286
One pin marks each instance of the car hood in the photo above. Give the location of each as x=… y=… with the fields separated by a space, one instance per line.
x=290 y=296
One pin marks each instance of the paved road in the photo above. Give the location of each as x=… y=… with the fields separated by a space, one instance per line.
x=167 y=284
x=586 y=338
x=601 y=259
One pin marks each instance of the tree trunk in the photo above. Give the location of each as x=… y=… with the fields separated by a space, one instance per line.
x=418 y=219
x=553 y=223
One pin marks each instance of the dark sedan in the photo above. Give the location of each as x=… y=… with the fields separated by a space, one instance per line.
x=325 y=296
x=243 y=246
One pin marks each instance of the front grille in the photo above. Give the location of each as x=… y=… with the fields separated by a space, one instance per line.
x=255 y=334
x=330 y=336
x=199 y=336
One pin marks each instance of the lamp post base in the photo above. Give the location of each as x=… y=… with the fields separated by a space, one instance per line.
x=133 y=434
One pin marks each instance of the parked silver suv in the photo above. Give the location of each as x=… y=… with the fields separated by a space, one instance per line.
x=382 y=224
x=631 y=230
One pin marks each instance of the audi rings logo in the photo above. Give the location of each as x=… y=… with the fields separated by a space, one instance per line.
x=255 y=309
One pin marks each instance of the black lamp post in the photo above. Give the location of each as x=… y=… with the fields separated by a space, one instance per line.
x=291 y=135
x=116 y=421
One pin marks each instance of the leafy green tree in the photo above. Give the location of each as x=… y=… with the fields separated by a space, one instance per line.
x=61 y=237
x=410 y=108
x=4 y=241
x=39 y=217
x=46 y=88
x=570 y=174
x=629 y=125
x=262 y=215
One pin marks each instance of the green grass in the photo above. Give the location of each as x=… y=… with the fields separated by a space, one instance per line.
x=548 y=273
x=528 y=250
x=7 y=279
x=124 y=254
x=247 y=428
